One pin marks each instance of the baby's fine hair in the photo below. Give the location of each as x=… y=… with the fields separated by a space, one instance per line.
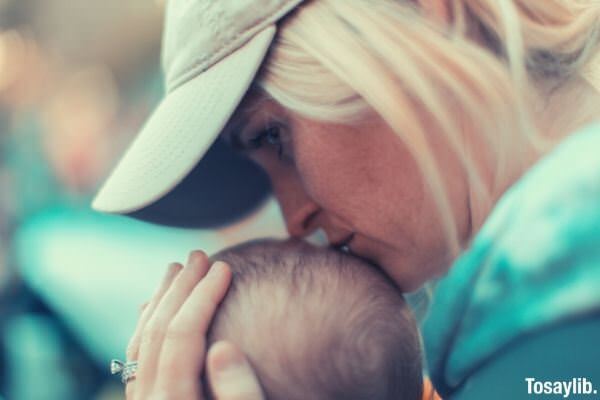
x=318 y=324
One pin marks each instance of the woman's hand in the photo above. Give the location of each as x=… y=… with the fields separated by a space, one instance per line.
x=169 y=342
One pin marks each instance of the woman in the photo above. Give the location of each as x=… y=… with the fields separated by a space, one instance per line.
x=396 y=127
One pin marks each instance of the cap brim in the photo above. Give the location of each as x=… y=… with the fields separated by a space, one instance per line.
x=181 y=130
x=221 y=189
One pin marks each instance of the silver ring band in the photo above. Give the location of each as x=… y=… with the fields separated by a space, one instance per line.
x=127 y=369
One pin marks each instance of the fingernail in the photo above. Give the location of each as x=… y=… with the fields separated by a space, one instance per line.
x=195 y=256
x=217 y=268
x=172 y=269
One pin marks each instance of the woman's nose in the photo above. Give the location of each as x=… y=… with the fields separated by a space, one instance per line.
x=299 y=210
x=300 y=220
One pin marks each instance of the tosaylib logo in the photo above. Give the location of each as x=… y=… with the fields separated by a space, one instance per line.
x=564 y=388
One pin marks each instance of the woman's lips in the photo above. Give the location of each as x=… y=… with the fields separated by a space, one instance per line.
x=344 y=244
x=359 y=250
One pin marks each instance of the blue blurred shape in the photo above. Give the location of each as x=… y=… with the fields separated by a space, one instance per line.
x=94 y=270
x=35 y=360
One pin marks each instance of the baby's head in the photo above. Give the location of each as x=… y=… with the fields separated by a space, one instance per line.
x=318 y=324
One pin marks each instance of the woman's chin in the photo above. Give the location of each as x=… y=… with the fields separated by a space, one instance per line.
x=408 y=276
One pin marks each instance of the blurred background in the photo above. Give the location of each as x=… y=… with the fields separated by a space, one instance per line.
x=77 y=80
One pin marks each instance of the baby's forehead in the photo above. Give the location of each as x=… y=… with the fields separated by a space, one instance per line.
x=282 y=291
x=286 y=254
x=295 y=262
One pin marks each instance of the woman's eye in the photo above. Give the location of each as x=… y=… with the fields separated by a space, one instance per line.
x=270 y=136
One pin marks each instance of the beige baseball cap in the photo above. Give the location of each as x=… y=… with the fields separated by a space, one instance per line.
x=212 y=50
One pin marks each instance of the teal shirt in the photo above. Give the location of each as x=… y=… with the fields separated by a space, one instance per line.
x=534 y=263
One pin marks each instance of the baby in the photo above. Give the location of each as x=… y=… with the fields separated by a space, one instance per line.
x=318 y=324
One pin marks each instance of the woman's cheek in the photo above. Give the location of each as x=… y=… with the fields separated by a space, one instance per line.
x=312 y=183
x=331 y=192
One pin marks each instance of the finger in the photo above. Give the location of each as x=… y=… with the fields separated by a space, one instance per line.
x=153 y=334
x=230 y=375
x=142 y=307
x=148 y=310
x=183 y=353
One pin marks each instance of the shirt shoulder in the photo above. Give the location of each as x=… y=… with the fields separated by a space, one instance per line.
x=535 y=261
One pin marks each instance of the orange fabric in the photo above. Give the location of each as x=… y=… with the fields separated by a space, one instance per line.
x=429 y=392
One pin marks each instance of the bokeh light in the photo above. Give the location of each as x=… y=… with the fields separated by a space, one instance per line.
x=77 y=80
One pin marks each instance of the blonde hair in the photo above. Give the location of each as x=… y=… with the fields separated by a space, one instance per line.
x=340 y=60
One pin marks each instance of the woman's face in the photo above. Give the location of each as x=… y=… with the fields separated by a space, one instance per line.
x=358 y=183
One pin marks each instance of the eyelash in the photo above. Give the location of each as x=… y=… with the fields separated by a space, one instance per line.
x=272 y=135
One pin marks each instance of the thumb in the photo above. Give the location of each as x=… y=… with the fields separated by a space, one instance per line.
x=230 y=375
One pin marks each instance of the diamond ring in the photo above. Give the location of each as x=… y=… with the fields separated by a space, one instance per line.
x=126 y=369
